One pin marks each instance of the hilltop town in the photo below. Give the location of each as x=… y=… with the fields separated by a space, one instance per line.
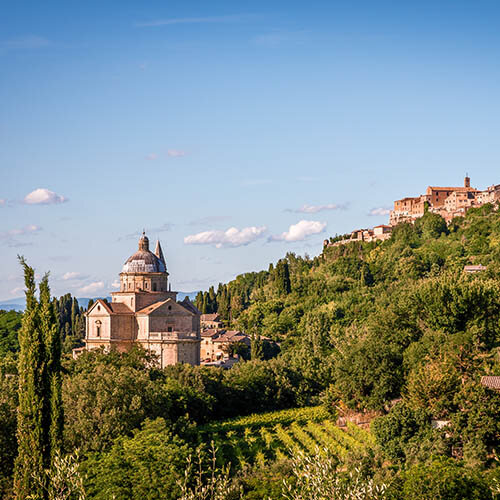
x=449 y=202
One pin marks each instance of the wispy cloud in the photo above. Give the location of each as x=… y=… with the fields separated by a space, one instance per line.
x=27 y=42
x=312 y=209
x=2 y=202
x=379 y=211
x=30 y=228
x=194 y=20
x=74 y=275
x=17 y=290
x=151 y=156
x=300 y=231
x=233 y=237
x=176 y=153
x=93 y=287
x=153 y=230
x=211 y=219
x=43 y=196
x=10 y=237
x=161 y=229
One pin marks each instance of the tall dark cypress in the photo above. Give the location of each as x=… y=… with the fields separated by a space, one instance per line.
x=31 y=437
x=40 y=417
x=283 y=278
x=53 y=403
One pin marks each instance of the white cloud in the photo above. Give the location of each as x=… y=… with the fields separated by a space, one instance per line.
x=2 y=202
x=233 y=237
x=312 y=209
x=176 y=153
x=92 y=287
x=300 y=231
x=151 y=156
x=30 y=228
x=17 y=290
x=73 y=275
x=43 y=196
x=115 y=284
x=379 y=211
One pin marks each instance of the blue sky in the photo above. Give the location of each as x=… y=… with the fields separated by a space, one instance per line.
x=287 y=121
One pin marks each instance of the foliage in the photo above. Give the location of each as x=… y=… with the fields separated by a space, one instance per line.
x=318 y=477
x=443 y=479
x=8 y=422
x=10 y=323
x=149 y=464
x=63 y=480
x=213 y=484
x=39 y=411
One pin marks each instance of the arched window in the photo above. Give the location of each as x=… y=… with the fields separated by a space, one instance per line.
x=97 y=328
x=154 y=287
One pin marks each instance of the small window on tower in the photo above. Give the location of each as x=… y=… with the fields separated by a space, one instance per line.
x=170 y=329
x=154 y=287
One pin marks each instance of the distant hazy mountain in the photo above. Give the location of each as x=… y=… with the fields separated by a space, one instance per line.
x=19 y=303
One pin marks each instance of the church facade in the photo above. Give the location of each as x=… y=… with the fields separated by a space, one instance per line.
x=145 y=311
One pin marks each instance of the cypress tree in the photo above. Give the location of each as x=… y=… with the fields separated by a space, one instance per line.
x=40 y=418
x=53 y=403
x=212 y=300
x=198 y=301
x=282 y=281
x=29 y=466
x=256 y=347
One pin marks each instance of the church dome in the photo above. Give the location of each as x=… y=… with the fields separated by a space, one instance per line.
x=144 y=261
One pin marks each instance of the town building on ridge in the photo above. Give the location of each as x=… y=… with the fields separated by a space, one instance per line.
x=145 y=311
x=448 y=202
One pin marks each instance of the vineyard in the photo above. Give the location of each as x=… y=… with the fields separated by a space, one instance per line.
x=265 y=437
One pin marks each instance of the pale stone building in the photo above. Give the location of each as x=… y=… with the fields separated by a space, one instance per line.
x=449 y=202
x=146 y=311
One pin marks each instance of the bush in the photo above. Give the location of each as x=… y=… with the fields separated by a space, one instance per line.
x=443 y=479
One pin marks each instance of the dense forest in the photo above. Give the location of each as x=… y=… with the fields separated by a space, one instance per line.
x=395 y=331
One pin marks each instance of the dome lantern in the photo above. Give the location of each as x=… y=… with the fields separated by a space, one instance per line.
x=144 y=243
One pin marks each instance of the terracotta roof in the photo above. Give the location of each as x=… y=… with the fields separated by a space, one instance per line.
x=119 y=308
x=438 y=188
x=212 y=332
x=210 y=317
x=492 y=382
x=104 y=304
x=231 y=336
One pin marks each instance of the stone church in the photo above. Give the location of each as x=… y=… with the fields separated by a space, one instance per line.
x=146 y=311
